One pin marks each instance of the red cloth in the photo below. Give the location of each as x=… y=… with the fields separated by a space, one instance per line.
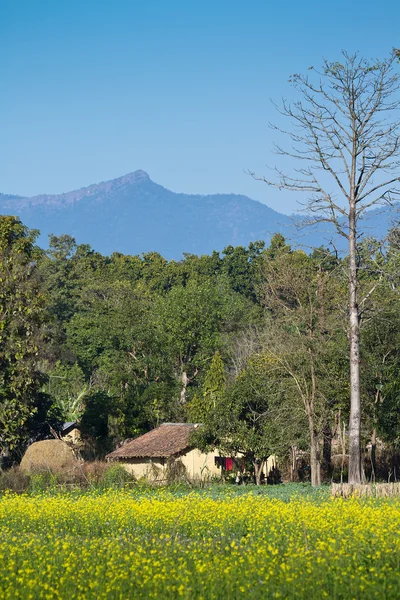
x=229 y=464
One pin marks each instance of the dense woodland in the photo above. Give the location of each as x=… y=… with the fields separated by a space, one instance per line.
x=252 y=342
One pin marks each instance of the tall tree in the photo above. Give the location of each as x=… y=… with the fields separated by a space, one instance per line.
x=22 y=315
x=346 y=135
x=213 y=389
x=249 y=417
x=242 y=266
x=303 y=337
x=190 y=321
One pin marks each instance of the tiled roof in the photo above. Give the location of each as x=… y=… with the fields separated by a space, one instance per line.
x=164 y=441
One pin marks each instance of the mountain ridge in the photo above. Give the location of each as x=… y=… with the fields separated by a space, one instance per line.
x=132 y=214
x=134 y=177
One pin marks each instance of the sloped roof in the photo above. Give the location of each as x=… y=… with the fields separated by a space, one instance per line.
x=68 y=425
x=164 y=441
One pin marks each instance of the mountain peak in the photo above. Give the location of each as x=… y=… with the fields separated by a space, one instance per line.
x=107 y=186
x=134 y=177
x=128 y=179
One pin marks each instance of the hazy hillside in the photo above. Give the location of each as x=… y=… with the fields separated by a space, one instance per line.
x=133 y=214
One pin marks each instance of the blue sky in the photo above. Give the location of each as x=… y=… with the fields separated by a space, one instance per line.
x=94 y=89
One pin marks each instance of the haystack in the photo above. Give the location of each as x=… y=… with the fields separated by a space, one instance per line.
x=52 y=455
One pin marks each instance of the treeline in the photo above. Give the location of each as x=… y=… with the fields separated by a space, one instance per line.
x=251 y=342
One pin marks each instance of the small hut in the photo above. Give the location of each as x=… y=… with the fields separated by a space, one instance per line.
x=70 y=432
x=152 y=452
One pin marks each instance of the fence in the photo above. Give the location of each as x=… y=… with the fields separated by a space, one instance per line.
x=372 y=490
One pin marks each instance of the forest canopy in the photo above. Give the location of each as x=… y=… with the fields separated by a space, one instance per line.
x=250 y=342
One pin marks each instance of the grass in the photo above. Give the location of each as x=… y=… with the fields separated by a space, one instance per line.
x=222 y=542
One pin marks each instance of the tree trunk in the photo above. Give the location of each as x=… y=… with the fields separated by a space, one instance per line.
x=354 y=339
x=315 y=461
x=184 y=383
x=315 y=455
x=293 y=461
x=258 y=467
x=343 y=441
x=4 y=456
x=327 y=453
x=373 y=455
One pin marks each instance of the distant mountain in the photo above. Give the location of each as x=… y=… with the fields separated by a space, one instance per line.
x=133 y=215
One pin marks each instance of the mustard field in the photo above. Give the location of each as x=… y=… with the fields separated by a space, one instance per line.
x=126 y=544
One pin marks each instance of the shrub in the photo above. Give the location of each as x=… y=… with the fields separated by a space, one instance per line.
x=116 y=476
x=95 y=474
x=175 y=471
x=42 y=480
x=15 y=480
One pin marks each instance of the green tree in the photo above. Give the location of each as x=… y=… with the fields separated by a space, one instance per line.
x=201 y=406
x=380 y=343
x=191 y=320
x=250 y=417
x=67 y=387
x=58 y=273
x=241 y=266
x=22 y=319
x=305 y=336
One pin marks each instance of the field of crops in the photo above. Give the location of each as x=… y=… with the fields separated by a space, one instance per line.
x=217 y=543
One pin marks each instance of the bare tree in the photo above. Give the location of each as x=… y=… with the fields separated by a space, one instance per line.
x=304 y=338
x=346 y=137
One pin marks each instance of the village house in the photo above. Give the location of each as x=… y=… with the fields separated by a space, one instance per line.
x=70 y=432
x=152 y=452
